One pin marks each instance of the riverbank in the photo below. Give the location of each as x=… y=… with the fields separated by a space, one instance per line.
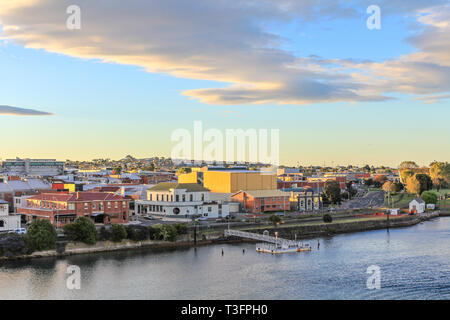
x=290 y=231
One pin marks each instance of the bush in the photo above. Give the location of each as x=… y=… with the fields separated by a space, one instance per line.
x=137 y=233
x=274 y=219
x=82 y=230
x=118 y=233
x=41 y=235
x=166 y=232
x=327 y=218
x=429 y=197
x=182 y=228
x=13 y=245
x=104 y=234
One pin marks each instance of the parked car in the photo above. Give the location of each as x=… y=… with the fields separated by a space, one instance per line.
x=20 y=231
x=150 y=218
x=201 y=219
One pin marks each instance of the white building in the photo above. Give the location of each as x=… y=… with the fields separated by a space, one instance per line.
x=36 y=167
x=8 y=222
x=417 y=205
x=183 y=200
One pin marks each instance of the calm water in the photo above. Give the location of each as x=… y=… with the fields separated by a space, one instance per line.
x=414 y=262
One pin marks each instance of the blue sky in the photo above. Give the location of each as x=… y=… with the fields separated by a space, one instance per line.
x=111 y=109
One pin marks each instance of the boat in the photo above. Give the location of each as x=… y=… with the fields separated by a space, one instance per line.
x=282 y=247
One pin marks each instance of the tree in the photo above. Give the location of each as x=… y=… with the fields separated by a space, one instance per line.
x=411 y=165
x=405 y=174
x=396 y=187
x=182 y=228
x=41 y=235
x=332 y=191
x=327 y=218
x=117 y=170
x=379 y=180
x=13 y=245
x=413 y=185
x=118 y=233
x=429 y=197
x=166 y=232
x=82 y=230
x=440 y=174
x=352 y=192
x=387 y=186
x=368 y=182
x=274 y=219
x=425 y=182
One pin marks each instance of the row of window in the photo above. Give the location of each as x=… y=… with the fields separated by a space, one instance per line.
x=166 y=197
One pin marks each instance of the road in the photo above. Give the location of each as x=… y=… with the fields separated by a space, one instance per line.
x=371 y=199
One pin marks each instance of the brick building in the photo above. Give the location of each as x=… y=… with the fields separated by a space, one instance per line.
x=62 y=208
x=260 y=201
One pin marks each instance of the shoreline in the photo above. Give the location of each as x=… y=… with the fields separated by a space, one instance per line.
x=300 y=232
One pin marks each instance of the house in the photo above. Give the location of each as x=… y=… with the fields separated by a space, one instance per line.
x=417 y=205
x=64 y=208
x=260 y=201
x=8 y=222
x=308 y=200
x=181 y=200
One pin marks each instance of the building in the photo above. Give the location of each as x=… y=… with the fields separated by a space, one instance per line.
x=417 y=205
x=181 y=200
x=261 y=201
x=64 y=208
x=8 y=222
x=16 y=188
x=307 y=200
x=35 y=167
x=230 y=180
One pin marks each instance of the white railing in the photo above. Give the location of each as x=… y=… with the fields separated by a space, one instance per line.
x=261 y=237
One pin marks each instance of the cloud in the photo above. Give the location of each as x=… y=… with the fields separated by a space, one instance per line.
x=14 y=111
x=227 y=41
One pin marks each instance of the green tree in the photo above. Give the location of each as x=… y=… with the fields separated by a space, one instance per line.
x=274 y=219
x=332 y=191
x=327 y=218
x=182 y=228
x=118 y=232
x=184 y=170
x=425 y=182
x=117 y=170
x=41 y=235
x=429 y=197
x=13 y=245
x=82 y=230
x=166 y=232
x=440 y=174
x=410 y=165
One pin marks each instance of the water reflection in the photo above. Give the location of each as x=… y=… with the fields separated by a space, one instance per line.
x=414 y=264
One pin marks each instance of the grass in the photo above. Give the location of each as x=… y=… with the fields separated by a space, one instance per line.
x=400 y=200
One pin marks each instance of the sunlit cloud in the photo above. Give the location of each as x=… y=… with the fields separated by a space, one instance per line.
x=226 y=41
x=15 y=111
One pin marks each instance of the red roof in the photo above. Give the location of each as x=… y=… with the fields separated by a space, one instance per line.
x=77 y=196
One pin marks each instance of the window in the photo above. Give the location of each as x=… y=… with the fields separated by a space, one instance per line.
x=203 y=197
x=151 y=197
x=124 y=204
x=86 y=206
x=116 y=205
x=109 y=205
x=94 y=206
x=209 y=209
x=190 y=197
x=177 y=198
x=184 y=197
x=71 y=206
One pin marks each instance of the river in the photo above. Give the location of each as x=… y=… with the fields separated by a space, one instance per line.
x=414 y=263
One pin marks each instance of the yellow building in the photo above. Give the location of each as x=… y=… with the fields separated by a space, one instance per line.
x=231 y=181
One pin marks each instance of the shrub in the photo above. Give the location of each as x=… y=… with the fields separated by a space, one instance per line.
x=166 y=232
x=104 y=234
x=118 y=233
x=327 y=218
x=182 y=228
x=82 y=230
x=274 y=219
x=41 y=235
x=13 y=245
x=137 y=233
x=429 y=197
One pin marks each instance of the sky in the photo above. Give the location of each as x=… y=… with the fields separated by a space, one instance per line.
x=136 y=71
